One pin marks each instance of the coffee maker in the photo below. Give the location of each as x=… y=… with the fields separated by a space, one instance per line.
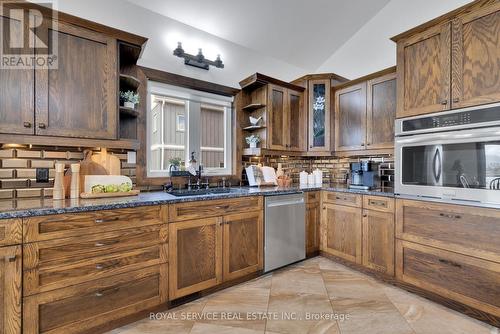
x=364 y=175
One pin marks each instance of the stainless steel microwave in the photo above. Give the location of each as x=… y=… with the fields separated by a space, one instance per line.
x=453 y=155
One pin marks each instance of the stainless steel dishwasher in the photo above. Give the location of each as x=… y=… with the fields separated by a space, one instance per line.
x=285 y=231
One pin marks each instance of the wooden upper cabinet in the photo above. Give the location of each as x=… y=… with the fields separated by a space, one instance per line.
x=16 y=85
x=295 y=128
x=381 y=112
x=79 y=97
x=424 y=72
x=286 y=112
x=10 y=281
x=476 y=57
x=243 y=244
x=350 y=118
x=277 y=101
x=195 y=256
x=319 y=116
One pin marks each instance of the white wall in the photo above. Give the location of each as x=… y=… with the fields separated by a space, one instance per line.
x=163 y=34
x=371 y=49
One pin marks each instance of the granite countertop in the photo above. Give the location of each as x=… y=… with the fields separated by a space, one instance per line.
x=23 y=208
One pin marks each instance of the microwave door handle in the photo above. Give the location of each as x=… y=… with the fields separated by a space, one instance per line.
x=436 y=164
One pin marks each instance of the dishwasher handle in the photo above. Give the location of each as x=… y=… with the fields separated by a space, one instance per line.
x=284 y=203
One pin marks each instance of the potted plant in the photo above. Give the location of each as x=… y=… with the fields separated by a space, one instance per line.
x=130 y=99
x=253 y=140
x=175 y=164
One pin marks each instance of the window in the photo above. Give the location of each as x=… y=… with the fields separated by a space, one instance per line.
x=181 y=121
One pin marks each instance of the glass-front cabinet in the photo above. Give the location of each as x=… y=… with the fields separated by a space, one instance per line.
x=319 y=116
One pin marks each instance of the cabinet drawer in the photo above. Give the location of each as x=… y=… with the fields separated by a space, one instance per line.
x=11 y=232
x=79 y=308
x=78 y=224
x=312 y=197
x=343 y=199
x=466 y=279
x=68 y=250
x=466 y=230
x=378 y=203
x=57 y=276
x=204 y=209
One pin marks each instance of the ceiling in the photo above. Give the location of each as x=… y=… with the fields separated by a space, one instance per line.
x=304 y=33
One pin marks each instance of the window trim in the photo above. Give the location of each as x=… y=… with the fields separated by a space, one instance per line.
x=190 y=95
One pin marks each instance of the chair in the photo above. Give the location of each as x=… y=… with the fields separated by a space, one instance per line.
x=495 y=184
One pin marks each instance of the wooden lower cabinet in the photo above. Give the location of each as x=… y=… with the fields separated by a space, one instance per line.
x=206 y=252
x=80 y=308
x=195 y=253
x=313 y=217
x=242 y=244
x=10 y=291
x=378 y=241
x=461 y=229
x=343 y=231
x=469 y=280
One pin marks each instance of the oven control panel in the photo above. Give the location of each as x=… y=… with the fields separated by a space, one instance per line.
x=475 y=118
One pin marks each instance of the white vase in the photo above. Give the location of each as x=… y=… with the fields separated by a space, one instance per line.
x=129 y=105
x=253 y=145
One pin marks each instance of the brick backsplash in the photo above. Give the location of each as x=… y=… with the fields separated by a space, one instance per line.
x=335 y=169
x=18 y=169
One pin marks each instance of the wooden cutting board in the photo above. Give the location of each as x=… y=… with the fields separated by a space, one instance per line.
x=110 y=162
x=87 y=167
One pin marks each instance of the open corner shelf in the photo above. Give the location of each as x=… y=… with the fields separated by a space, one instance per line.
x=254 y=127
x=128 y=82
x=128 y=112
x=253 y=106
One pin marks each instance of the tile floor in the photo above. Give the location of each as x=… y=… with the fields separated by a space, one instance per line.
x=285 y=301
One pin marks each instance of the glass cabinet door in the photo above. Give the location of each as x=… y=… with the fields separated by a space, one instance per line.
x=319 y=115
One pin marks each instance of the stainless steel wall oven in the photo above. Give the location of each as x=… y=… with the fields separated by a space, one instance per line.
x=453 y=155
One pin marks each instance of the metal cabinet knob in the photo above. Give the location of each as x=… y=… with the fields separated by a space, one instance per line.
x=42 y=125
x=27 y=124
x=444 y=102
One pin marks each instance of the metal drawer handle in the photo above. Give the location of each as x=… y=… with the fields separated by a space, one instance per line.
x=42 y=125
x=100 y=266
x=451 y=263
x=100 y=220
x=378 y=203
x=341 y=198
x=450 y=216
x=10 y=258
x=27 y=124
x=219 y=207
x=107 y=243
x=444 y=102
x=104 y=292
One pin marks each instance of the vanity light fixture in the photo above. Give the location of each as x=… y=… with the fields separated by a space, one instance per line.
x=199 y=60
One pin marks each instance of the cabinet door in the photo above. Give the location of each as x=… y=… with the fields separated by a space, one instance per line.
x=476 y=55
x=313 y=213
x=343 y=231
x=424 y=72
x=195 y=256
x=79 y=97
x=243 y=244
x=350 y=118
x=16 y=85
x=378 y=241
x=319 y=116
x=10 y=280
x=277 y=118
x=381 y=112
x=296 y=125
